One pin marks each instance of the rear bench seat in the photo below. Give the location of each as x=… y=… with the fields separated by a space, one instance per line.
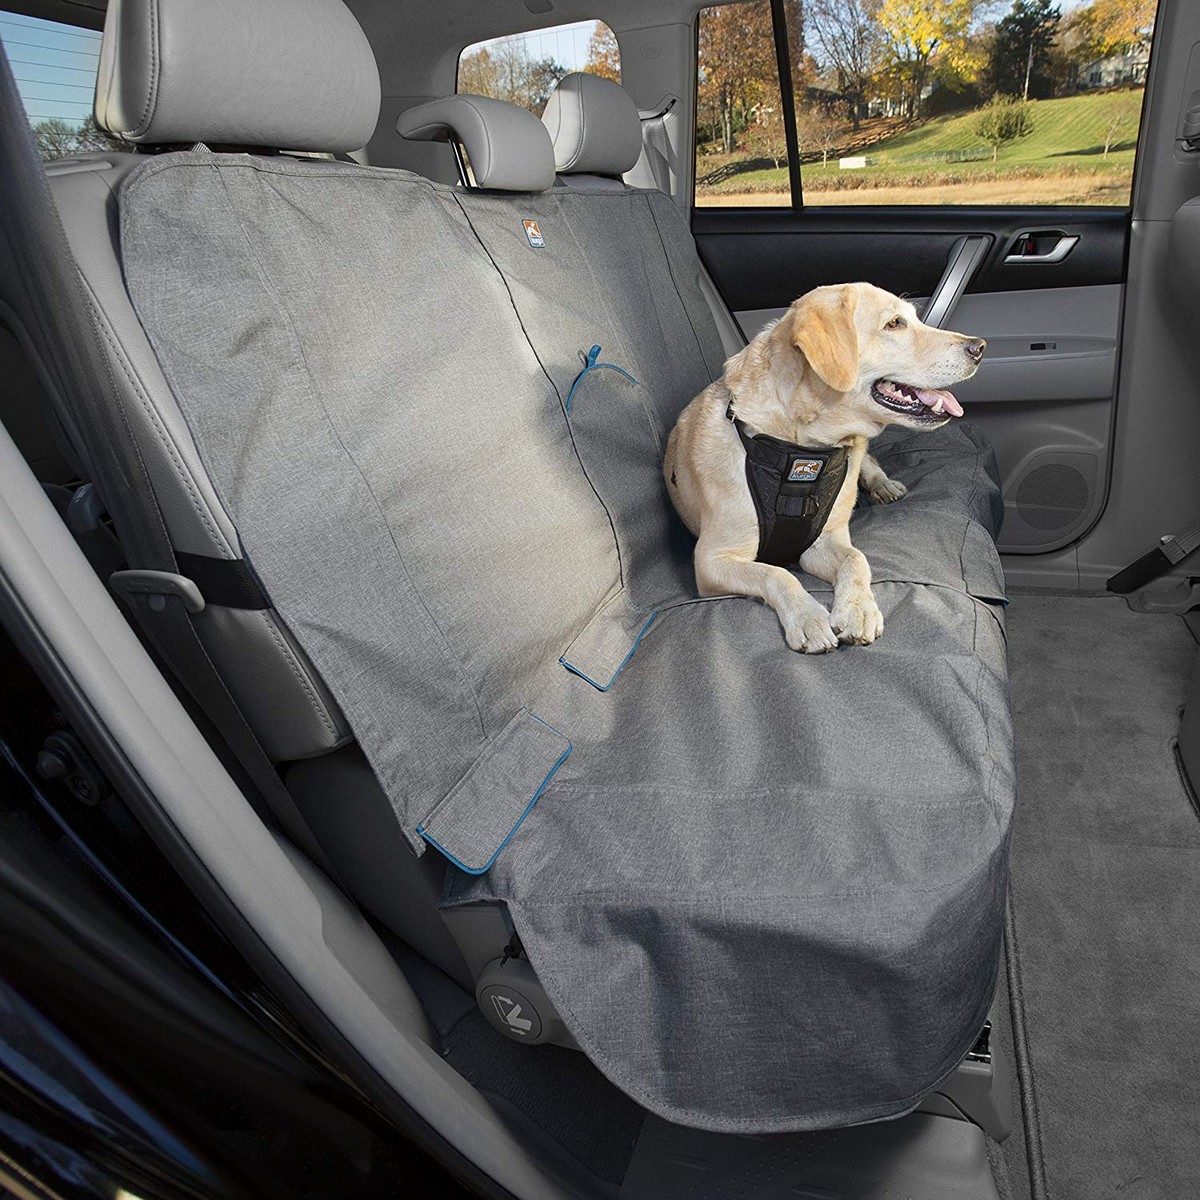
x=379 y=391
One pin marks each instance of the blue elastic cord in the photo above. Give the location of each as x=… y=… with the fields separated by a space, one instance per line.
x=592 y=365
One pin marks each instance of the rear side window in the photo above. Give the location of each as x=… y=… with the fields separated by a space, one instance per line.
x=939 y=102
x=524 y=68
x=55 y=67
x=741 y=131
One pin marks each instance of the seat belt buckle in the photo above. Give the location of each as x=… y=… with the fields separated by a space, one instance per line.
x=158 y=585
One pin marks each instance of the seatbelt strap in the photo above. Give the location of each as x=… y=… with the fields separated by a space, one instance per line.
x=658 y=147
x=63 y=327
x=1171 y=549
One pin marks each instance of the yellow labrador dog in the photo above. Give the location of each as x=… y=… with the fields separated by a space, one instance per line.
x=765 y=464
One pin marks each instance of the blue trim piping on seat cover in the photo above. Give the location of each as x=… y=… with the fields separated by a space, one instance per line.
x=593 y=365
x=603 y=687
x=536 y=796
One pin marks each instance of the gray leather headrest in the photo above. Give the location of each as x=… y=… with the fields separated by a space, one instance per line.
x=509 y=148
x=594 y=124
x=286 y=74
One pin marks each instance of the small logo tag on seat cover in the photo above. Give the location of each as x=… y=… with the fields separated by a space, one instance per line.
x=804 y=470
x=534 y=234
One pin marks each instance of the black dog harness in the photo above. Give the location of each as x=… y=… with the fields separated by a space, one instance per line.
x=794 y=489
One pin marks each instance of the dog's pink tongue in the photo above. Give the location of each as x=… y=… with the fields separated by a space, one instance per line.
x=929 y=398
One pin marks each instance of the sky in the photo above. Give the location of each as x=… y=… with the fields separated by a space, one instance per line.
x=566 y=44
x=55 y=66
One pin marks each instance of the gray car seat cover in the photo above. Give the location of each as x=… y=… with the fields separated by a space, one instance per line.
x=764 y=889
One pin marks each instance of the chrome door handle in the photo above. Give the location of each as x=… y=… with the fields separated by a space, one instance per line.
x=1060 y=250
x=965 y=256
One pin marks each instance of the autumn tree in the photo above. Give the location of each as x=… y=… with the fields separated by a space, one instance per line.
x=1003 y=119
x=1107 y=27
x=505 y=71
x=847 y=36
x=922 y=37
x=737 y=68
x=603 y=54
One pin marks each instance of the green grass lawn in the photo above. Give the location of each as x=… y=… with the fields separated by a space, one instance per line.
x=1063 y=154
x=1066 y=131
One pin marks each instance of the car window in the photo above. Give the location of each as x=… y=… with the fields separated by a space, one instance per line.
x=524 y=68
x=55 y=68
x=741 y=136
x=1025 y=102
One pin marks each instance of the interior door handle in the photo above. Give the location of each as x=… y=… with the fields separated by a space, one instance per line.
x=1059 y=251
x=965 y=256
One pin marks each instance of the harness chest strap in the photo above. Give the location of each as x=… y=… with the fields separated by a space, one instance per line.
x=794 y=489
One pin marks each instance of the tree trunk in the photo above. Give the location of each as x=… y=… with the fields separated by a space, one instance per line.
x=1028 y=69
x=995 y=152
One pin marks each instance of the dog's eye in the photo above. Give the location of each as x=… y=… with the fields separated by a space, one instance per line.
x=896 y=323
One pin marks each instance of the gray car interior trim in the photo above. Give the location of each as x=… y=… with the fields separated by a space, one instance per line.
x=1059 y=251
x=963 y=261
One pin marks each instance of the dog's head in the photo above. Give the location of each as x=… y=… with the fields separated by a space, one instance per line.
x=880 y=363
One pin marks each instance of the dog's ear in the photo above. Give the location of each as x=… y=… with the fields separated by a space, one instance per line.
x=823 y=331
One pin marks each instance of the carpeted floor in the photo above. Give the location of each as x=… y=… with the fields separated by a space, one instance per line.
x=1106 y=904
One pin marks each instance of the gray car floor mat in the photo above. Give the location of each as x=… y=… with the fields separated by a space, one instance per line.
x=1106 y=897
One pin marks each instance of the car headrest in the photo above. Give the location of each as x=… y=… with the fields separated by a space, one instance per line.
x=594 y=125
x=509 y=147
x=284 y=74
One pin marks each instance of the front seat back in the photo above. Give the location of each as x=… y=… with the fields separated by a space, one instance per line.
x=275 y=75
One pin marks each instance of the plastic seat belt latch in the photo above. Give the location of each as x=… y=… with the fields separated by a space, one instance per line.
x=158 y=585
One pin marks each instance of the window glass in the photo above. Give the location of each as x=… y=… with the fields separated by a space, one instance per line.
x=524 y=68
x=55 y=67
x=741 y=142
x=949 y=102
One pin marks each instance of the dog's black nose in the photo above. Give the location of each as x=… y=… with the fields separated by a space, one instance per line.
x=975 y=348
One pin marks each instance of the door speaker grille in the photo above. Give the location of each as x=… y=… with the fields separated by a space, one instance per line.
x=1053 y=496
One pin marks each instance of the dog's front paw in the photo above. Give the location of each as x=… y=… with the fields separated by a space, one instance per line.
x=857 y=619
x=886 y=491
x=808 y=630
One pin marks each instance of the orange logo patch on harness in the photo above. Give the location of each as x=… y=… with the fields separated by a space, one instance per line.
x=804 y=470
x=534 y=234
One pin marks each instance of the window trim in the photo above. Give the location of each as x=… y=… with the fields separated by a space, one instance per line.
x=787 y=98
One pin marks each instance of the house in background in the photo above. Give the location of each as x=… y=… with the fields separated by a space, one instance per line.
x=1127 y=67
